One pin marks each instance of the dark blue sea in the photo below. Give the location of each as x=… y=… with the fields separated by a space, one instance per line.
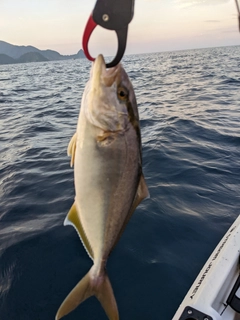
x=189 y=105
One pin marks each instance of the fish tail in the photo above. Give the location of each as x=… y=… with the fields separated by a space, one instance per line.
x=91 y=285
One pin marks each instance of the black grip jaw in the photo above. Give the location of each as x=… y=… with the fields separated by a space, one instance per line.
x=113 y=14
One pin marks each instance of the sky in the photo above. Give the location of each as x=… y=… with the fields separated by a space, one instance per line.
x=158 y=25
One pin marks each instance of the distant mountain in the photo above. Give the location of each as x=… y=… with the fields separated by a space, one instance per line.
x=15 y=52
x=10 y=53
x=31 y=57
x=51 y=55
x=4 y=59
x=80 y=54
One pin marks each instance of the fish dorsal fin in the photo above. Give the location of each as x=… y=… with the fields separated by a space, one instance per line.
x=72 y=148
x=73 y=219
x=142 y=193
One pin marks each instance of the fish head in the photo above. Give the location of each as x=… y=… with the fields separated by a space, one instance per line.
x=109 y=101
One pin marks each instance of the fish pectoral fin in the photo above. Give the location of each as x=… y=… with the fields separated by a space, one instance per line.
x=73 y=219
x=72 y=148
x=142 y=193
x=91 y=286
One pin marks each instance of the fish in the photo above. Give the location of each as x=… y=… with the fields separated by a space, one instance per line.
x=106 y=153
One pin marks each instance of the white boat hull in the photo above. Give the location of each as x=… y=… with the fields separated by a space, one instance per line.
x=211 y=289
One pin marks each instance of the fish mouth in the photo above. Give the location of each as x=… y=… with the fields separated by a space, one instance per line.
x=102 y=75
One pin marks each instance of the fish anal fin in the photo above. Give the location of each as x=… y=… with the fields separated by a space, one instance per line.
x=73 y=218
x=142 y=193
x=72 y=148
x=91 y=285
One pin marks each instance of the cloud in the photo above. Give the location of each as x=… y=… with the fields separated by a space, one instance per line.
x=212 y=21
x=190 y=3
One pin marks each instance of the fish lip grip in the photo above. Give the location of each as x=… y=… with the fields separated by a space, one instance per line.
x=112 y=15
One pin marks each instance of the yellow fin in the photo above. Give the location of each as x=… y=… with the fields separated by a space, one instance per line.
x=73 y=219
x=91 y=285
x=142 y=191
x=72 y=148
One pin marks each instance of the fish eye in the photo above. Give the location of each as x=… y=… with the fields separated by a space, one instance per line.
x=122 y=93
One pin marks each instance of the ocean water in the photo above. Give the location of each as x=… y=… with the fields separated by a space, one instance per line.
x=189 y=105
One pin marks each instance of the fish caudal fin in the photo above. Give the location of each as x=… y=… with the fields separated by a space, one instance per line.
x=91 y=286
x=105 y=295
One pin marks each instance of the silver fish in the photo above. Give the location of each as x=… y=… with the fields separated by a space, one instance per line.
x=109 y=183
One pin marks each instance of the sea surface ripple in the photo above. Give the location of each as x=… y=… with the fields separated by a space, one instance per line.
x=189 y=105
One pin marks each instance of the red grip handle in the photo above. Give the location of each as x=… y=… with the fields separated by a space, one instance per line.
x=91 y=25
